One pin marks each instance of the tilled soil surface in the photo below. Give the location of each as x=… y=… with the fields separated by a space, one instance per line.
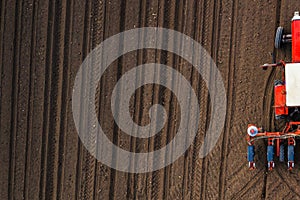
x=43 y=44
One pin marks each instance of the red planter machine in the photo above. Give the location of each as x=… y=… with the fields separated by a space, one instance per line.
x=286 y=103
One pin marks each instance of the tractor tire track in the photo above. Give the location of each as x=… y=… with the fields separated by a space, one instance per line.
x=14 y=100
x=73 y=58
x=88 y=161
x=47 y=104
x=205 y=35
x=35 y=128
x=211 y=11
x=55 y=97
x=197 y=164
x=289 y=179
x=135 y=183
x=193 y=151
x=244 y=191
x=174 y=171
x=80 y=170
x=65 y=83
x=160 y=178
x=22 y=101
x=175 y=178
x=127 y=61
x=230 y=98
x=113 y=25
x=31 y=86
x=7 y=98
x=101 y=183
x=166 y=133
x=155 y=17
x=30 y=154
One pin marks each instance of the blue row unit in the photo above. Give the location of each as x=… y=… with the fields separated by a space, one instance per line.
x=281 y=153
x=250 y=153
x=291 y=153
x=270 y=153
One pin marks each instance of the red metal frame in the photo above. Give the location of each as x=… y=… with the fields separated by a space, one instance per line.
x=280 y=100
x=276 y=135
x=295 y=39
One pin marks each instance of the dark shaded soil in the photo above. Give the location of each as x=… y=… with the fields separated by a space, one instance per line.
x=42 y=45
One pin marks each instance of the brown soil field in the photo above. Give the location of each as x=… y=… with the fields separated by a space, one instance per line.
x=43 y=44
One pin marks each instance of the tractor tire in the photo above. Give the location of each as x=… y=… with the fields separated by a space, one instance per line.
x=278 y=37
x=281 y=153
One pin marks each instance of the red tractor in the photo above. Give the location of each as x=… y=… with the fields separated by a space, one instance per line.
x=286 y=103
